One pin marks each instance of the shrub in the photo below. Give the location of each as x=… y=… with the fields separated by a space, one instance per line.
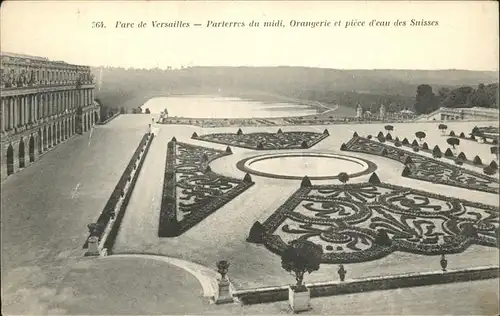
x=343 y=146
x=406 y=172
x=425 y=146
x=408 y=160
x=329 y=247
x=462 y=135
x=261 y=146
x=382 y=239
x=472 y=137
x=489 y=171
x=381 y=139
x=247 y=178
x=369 y=136
x=374 y=179
x=493 y=164
x=306 y=182
x=280 y=131
x=477 y=161
x=416 y=148
x=462 y=156
x=405 y=141
x=355 y=135
x=239 y=132
x=436 y=152
x=388 y=136
x=257 y=233
x=384 y=152
x=397 y=143
x=194 y=135
x=228 y=150
x=380 y=134
x=343 y=177
x=414 y=143
x=452 y=133
x=448 y=153
x=459 y=162
x=325 y=132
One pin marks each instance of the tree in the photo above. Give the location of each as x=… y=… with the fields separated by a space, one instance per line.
x=426 y=100
x=299 y=257
x=147 y=111
x=420 y=135
x=343 y=177
x=382 y=239
x=443 y=128
x=452 y=141
x=123 y=110
x=389 y=128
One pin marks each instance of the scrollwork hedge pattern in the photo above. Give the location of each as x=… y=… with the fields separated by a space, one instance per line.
x=191 y=191
x=425 y=168
x=347 y=218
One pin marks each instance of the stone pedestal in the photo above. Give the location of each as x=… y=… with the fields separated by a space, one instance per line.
x=299 y=301
x=93 y=247
x=223 y=294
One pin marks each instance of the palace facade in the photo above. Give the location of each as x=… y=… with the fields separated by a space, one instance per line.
x=43 y=103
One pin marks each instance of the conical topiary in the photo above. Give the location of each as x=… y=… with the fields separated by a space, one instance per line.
x=462 y=156
x=204 y=157
x=260 y=145
x=325 y=132
x=388 y=137
x=229 y=150
x=247 y=178
x=462 y=135
x=381 y=139
x=493 y=164
x=374 y=179
x=472 y=137
x=436 y=152
x=382 y=239
x=448 y=153
x=343 y=146
x=369 y=137
x=306 y=182
x=280 y=131
x=396 y=139
x=239 y=132
x=208 y=169
x=397 y=143
x=414 y=143
x=380 y=134
x=425 y=146
x=194 y=135
x=405 y=141
x=174 y=139
x=477 y=161
x=355 y=135
x=489 y=171
x=257 y=233
x=406 y=172
x=452 y=133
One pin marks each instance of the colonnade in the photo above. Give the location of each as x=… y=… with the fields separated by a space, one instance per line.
x=25 y=109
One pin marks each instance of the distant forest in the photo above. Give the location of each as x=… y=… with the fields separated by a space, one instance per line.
x=422 y=91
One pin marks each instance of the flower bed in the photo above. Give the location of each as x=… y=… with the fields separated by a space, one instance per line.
x=348 y=218
x=426 y=169
x=191 y=191
x=266 y=141
x=108 y=212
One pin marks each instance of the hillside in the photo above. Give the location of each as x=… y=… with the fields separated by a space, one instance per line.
x=131 y=87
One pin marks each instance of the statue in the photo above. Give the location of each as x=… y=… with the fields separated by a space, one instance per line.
x=382 y=111
x=33 y=79
x=11 y=80
x=359 y=111
x=342 y=272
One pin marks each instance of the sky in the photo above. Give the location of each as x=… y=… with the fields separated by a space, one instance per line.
x=466 y=37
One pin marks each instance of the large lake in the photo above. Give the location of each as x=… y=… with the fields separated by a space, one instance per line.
x=223 y=107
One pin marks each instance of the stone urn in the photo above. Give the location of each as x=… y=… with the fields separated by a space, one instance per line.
x=444 y=263
x=223 y=294
x=342 y=272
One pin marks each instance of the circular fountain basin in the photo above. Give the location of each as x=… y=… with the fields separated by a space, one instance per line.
x=317 y=166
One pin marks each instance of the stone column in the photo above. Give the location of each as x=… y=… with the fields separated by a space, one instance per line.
x=16 y=111
x=3 y=114
x=10 y=103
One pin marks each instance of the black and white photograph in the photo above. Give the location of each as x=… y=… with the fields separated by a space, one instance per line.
x=249 y=157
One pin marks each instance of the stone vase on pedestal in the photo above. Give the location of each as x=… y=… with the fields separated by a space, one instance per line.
x=223 y=294
x=299 y=299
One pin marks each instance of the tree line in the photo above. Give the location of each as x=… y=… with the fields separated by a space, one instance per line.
x=427 y=100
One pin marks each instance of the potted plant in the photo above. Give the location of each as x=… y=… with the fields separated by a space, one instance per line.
x=299 y=257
